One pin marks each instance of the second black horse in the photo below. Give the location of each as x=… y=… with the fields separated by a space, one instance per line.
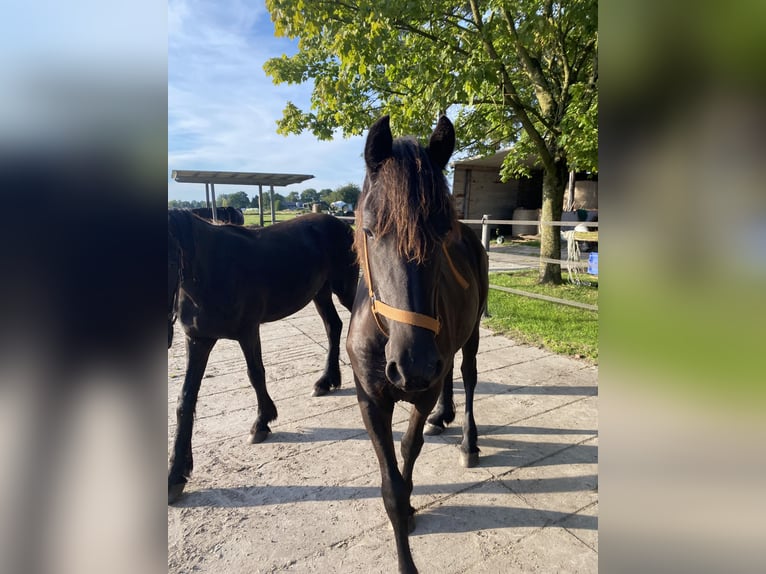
x=225 y=280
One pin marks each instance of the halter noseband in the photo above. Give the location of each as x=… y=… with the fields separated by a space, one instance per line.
x=378 y=307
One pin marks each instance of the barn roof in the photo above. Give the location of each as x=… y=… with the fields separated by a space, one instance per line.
x=493 y=161
x=238 y=177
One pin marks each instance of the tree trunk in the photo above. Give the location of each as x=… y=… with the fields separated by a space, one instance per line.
x=550 y=236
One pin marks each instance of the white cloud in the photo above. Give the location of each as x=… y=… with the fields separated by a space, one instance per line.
x=223 y=108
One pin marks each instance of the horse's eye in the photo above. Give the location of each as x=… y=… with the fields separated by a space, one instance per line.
x=367 y=232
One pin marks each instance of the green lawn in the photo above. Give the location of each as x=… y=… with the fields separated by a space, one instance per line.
x=559 y=328
x=254 y=218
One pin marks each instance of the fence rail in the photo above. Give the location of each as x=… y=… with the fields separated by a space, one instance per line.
x=491 y=221
x=486 y=222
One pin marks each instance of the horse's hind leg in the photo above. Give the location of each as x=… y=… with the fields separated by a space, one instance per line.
x=469 y=450
x=333 y=327
x=345 y=287
x=181 y=461
x=444 y=413
x=266 y=410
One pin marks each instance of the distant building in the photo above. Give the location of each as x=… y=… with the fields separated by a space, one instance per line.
x=477 y=190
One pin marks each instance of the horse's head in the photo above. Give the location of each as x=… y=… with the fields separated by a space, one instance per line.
x=404 y=217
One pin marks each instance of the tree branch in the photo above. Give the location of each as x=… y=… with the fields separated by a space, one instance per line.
x=532 y=67
x=513 y=97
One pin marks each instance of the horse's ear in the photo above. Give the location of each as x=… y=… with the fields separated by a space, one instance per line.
x=379 y=144
x=442 y=143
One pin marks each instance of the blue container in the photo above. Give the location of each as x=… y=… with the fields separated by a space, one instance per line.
x=593 y=263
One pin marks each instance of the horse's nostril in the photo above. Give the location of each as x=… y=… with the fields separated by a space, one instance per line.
x=392 y=372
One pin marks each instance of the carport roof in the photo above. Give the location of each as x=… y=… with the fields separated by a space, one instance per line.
x=238 y=177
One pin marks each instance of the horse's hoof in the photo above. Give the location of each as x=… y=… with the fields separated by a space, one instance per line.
x=432 y=430
x=319 y=392
x=469 y=459
x=259 y=436
x=174 y=492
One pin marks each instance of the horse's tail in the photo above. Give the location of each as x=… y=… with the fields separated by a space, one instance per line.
x=346 y=278
x=180 y=224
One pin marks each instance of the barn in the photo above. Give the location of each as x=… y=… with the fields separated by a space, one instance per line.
x=477 y=191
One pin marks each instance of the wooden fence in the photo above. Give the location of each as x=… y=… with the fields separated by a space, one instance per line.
x=532 y=260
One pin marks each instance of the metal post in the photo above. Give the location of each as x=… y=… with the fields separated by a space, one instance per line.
x=485 y=242
x=271 y=201
x=207 y=195
x=260 y=204
x=212 y=192
x=485 y=232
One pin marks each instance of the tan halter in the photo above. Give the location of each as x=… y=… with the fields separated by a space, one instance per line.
x=400 y=315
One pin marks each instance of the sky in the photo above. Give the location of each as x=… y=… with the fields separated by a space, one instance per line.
x=223 y=108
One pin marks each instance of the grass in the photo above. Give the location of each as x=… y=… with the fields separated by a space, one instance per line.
x=254 y=218
x=558 y=328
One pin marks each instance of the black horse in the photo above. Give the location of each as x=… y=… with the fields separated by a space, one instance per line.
x=225 y=280
x=424 y=288
x=222 y=214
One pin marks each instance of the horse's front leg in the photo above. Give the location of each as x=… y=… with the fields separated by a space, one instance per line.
x=181 y=460
x=330 y=379
x=396 y=495
x=469 y=450
x=445 y=408
x=266 y=411
x=412 y=443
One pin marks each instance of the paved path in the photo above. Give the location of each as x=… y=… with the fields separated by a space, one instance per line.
x=308 y=499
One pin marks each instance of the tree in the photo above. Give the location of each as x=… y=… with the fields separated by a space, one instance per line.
x=293 y=197
x=309 y=195
x=279 y=201
x=239 y=200
x=324 y=194
x=520 y=73
x=348 y=193
x=182 y=203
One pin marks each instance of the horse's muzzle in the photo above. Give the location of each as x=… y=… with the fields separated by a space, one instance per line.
x=413 y=376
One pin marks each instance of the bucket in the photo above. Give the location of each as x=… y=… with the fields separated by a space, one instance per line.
x=593 y=263
x=316 y=208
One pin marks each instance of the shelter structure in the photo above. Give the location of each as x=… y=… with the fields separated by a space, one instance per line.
x=210 y=178
x=478 y=190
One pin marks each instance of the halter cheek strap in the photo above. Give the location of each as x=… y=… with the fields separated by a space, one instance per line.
x=400 y=315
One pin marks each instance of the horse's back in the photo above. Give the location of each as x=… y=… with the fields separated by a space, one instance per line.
x=326 y=237
x=249 y=276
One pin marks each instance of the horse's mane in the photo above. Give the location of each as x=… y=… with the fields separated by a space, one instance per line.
x=406 y=196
